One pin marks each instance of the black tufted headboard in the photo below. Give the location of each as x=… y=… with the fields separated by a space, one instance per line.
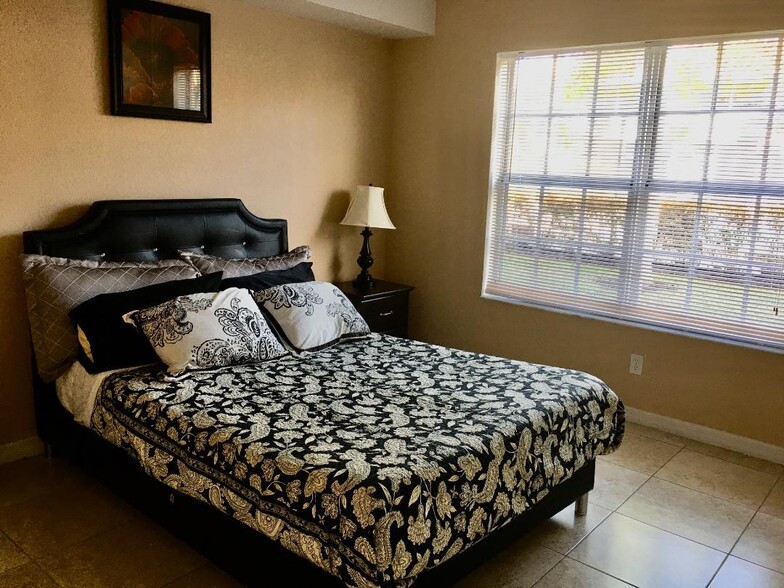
x=143 y=230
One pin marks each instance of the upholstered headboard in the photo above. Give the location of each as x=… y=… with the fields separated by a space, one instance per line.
x=143 y=230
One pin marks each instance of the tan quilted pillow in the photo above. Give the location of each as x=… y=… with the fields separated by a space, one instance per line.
x=56 y=285
x=237 y=268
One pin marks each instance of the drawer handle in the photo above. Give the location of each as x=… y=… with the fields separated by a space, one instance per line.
x=388 y=313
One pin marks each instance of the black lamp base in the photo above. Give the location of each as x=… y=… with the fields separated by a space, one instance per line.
x=364 y=280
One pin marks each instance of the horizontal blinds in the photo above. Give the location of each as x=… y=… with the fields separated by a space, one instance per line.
x=186 y=88
x=643 y=183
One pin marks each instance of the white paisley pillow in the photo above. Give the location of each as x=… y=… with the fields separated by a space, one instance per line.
x=311 y=315
x=207 y=330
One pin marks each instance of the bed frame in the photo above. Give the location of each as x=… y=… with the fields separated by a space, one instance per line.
x=144 y=230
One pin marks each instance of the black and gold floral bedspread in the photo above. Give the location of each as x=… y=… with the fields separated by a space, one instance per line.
x=376 y=459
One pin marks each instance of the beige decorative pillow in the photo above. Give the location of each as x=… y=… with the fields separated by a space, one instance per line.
x=56 y=285
x=236 y=268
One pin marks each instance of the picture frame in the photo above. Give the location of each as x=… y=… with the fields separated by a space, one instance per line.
x=159 y=61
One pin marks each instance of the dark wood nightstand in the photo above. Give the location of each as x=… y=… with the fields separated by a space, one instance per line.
x=384 y=306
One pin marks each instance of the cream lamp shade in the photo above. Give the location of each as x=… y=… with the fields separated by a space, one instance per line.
x=367 y=209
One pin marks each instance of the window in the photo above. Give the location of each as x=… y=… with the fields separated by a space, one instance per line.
x=643 y=183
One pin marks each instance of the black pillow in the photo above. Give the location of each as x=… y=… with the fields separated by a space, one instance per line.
x=112 y=342
x=301 y=272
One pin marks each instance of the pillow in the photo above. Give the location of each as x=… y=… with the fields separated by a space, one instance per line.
x=207 y=330
x=301 y=272
x=107 y=342
x=311 y=315
x=235 y=268
x=56 y=285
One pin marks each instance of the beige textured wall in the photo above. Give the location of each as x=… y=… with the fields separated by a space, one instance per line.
x=300 y=116
x=440 y=157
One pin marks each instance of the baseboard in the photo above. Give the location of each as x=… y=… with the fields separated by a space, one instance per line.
x=697 y=432
x=21 y=449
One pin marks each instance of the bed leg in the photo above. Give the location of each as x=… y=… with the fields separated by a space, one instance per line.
x=581 y=505
x=48 y=451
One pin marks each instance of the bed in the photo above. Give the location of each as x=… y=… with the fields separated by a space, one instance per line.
x=381 y=461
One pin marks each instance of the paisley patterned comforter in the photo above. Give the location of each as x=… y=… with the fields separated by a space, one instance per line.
x=375 y=459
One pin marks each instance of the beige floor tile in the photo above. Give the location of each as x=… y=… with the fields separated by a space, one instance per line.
x=774 y=503
x=708 y=520
x=95 y=539
x=26 y=478
x=10 y=555
x=718 y=478
x=51 y=521
x=754 y=463
x=29 y=575
x=519 y=566
x=138 y=553
x=646 y=556
x=643 y=431
x=565 y=530
x=614 y=484
x=643 y=454
x=763 y=542
x=571 y=573
x=737 y=573
x=208 y=576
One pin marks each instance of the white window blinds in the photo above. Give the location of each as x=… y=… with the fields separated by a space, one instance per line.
x=186 y=88
x=643 y=184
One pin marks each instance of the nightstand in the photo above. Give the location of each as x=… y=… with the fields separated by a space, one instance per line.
x=384 y=306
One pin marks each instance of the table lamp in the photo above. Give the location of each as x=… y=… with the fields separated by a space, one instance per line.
x=367 y=210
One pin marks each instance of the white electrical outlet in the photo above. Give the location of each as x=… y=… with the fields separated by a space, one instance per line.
x=635 y=365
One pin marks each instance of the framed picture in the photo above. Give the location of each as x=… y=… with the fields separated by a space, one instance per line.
x=159 y=61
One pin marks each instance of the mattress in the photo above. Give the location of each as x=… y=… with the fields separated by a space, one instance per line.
x=375 y=459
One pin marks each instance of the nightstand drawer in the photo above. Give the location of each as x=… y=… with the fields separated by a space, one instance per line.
x=384 y=305
x=385 y=314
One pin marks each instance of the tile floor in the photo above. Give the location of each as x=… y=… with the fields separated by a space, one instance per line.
x=665 y=512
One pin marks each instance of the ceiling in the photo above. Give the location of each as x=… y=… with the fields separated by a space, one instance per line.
x=392 y=19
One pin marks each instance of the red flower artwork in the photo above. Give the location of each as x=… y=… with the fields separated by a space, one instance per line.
x=160 y=60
